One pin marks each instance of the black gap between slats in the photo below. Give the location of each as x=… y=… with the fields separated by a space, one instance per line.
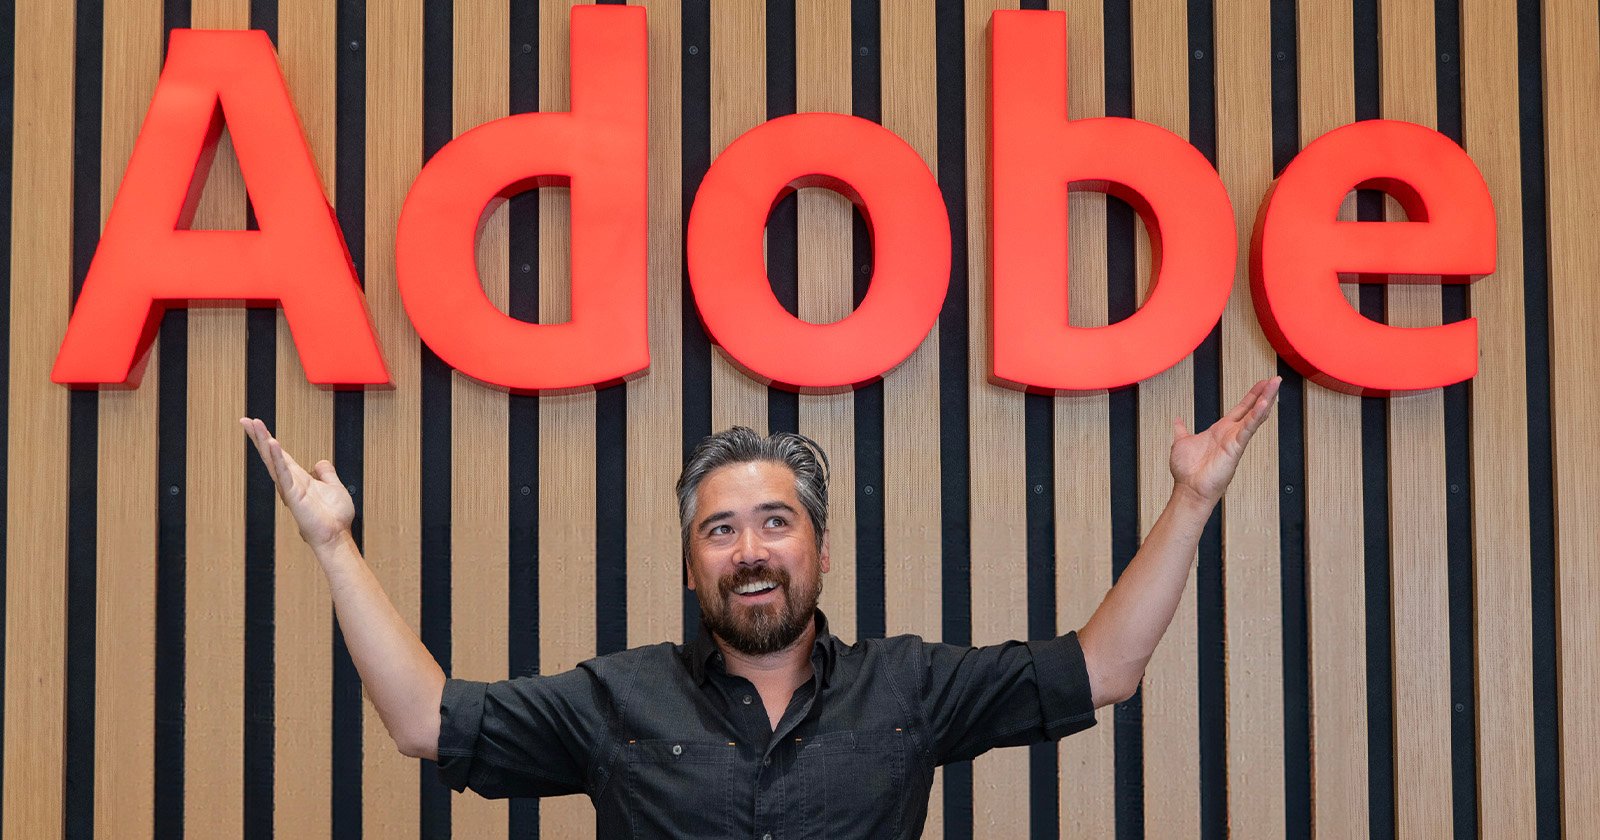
x=350 y=159
x=955 y=494
x=83 y=433
x=867 y=102
x=1291 y=470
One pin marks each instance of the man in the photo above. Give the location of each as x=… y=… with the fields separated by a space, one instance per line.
x=766 y=725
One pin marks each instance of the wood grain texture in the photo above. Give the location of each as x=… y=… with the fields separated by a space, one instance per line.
x=738 y=104
x=1502 y=588
x=1170 y=690
x=1087 y=789
x=1572 y=183
x=912 y=539
x=655 y=401
x=213 y=763
x=36 y=445
x=125 y=529
x=1254 y=606
x=1335 y=576
x=1419 y=564
x=827 y=271
x=479 y=483
x=391 y=429
x=566 y=446
x=995 y=417
x=303 y=630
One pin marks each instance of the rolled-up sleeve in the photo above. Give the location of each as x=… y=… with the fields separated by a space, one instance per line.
x=527 y=736
x=979 y=698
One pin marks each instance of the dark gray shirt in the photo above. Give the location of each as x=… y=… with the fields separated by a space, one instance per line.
x=667 y=743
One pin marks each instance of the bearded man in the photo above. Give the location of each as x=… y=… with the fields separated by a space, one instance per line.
x=765 y=725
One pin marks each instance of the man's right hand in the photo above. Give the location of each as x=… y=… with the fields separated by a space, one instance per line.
x=318 y=500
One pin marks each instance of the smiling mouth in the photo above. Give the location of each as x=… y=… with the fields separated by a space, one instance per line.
x=756 y=589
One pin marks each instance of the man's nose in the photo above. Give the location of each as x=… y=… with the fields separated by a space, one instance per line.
x=752 y=549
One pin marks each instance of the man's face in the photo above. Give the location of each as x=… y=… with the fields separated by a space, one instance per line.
x=753 y=557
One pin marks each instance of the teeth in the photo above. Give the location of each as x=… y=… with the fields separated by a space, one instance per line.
x=750 y=588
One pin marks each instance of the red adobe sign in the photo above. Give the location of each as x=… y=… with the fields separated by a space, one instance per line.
x=148 y=260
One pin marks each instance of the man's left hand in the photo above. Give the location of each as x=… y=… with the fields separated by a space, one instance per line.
x=1203 y=463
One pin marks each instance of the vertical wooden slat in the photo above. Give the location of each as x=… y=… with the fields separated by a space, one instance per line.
x=213 y=764
x=822 y=83
x=566 y=447
x=911 y=522
x=998 y=526
x=1502 y=593
x=1171 y=699
x=655 y=401
x=1335 y=588
x=1253 y=609
x=303 y=632
x=1419 y=572
x=1571 y=77
x=738 y=104
x=391 y=428
x=479 y=489
x=1082 y=452
x=125 y=530
x=36 y=467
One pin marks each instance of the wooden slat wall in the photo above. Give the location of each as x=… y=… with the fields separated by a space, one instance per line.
x=822 y=83
x=36 y=421
x=391 y=434
x=303 y=641
x=1571 y=110
x=1082 y=451
x=1335 y=575
x=1171 y=701
x=125 y=531
x=479 y=483
x=566 y=446
x=1502 y=596
x=1419 y=606
x=998 y=520
x=1508 y=474
x=655 y=421
x=912 y=573
x=213 y=765
x=1252 y=582
x=738 y=104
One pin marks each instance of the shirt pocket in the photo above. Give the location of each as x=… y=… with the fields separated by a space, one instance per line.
x=679 y=788
x=853 y=783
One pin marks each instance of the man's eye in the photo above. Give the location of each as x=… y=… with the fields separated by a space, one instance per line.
x=776 y=522
x=719 y=529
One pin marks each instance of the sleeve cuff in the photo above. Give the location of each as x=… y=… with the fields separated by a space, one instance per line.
x=460 y=715
x=1066 y=703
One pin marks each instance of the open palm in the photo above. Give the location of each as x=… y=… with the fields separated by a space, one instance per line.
x=318 y=500
x=1204 y=462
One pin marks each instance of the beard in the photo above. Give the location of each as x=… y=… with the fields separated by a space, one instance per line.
x=757 y=629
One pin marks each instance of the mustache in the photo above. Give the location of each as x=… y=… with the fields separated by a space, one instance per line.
x=752 y=574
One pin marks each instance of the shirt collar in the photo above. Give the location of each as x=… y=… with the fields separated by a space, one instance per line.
x=702 y=649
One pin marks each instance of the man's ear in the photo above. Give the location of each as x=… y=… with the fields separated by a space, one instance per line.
x=688 y=574
x=823 y=555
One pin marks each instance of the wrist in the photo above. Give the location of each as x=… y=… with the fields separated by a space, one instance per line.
x=328 y=548
x=1190 y=499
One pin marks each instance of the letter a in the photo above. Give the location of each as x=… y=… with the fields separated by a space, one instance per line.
x=148 y=261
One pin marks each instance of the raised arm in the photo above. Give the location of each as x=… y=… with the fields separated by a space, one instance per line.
x=398 y=673
x=1122 y=634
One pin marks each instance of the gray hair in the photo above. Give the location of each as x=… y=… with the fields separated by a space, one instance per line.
x=741 y=445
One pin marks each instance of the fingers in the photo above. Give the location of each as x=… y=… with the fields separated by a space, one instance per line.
x=1238 y=411
x=323 y=470
x=257 y=431
x=1179 y=431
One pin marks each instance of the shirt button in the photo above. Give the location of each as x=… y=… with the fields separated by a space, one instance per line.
x=766 y=837
x=747 y=699
x=677 y=749
x=766 y=762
